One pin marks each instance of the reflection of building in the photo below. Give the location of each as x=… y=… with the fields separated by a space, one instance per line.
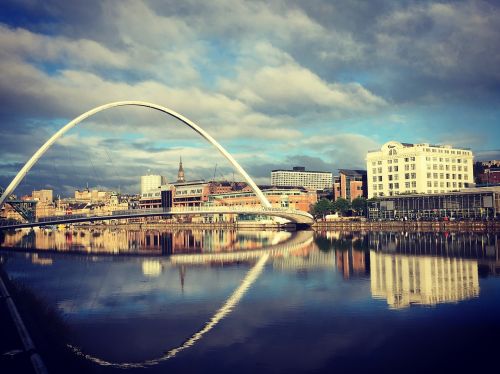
x=417 y=168
x=299 y=177
x=405 y=280
x=142 y=241
x=350 y=184
x=352 y=262
x=305 y=258
x=151 y=268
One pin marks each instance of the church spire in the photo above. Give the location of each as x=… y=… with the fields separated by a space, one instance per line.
x=180 y=173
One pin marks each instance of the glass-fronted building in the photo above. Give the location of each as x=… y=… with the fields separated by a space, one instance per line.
x=472 y=203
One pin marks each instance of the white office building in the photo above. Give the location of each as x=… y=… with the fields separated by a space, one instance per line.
x=152 y=182
x=402 y=168
x=299 y=177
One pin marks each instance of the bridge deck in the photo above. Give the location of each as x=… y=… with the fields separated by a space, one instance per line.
x=295 y=216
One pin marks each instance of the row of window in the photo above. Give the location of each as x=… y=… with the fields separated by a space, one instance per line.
x=408 y=185
x=413 y=184
x=446 y=176
x=447 y=167
x=445 y=184
x=409 y=167
x=428 y=159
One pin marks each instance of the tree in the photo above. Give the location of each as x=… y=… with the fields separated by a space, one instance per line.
x=359 y=205
x=341 y=205
x=322 y=207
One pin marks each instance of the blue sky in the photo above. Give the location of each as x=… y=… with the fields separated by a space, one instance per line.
x=278 y=83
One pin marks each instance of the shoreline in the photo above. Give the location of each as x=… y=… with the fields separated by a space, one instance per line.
x=463 y=226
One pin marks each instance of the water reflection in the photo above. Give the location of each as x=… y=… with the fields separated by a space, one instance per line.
x=188 y=290
x=405 y=280
x=155 y=242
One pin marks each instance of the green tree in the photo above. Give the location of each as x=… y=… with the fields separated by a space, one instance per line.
x=322 y=207
x=359 y=206
x=341 y=205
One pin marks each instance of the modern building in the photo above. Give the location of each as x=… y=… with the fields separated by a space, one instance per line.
x=403 y=168
x=350 y=184
x=279 y=197
x=161 y=197
x=474 y=203
x=299 y=177
x=190 y=194
x=152 y=182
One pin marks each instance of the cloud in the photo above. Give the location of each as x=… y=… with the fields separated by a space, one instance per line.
x=279 y=84
x=260 y=77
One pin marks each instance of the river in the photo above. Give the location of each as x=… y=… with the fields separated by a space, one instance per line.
x=270 y=302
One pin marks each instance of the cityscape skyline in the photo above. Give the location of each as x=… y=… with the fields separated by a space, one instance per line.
x=278 y=84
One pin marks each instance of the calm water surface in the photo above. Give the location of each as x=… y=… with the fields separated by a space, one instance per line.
x=269 y=302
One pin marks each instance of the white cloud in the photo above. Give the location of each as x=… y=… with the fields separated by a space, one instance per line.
x=285 y=86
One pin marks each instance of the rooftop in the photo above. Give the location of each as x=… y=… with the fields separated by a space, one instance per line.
x=353 y=172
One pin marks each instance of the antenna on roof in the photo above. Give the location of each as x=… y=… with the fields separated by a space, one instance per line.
x=215 y=171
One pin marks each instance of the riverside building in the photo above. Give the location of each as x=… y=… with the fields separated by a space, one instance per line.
x=350 y=184
x=152 y=182
x=299 y=177
x=403 y=168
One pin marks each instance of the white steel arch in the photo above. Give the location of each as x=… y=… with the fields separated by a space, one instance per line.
x=33 y=160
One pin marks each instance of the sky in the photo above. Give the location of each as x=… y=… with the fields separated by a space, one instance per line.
x=277 y=83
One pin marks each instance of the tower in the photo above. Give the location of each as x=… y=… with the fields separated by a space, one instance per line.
x=180 y=173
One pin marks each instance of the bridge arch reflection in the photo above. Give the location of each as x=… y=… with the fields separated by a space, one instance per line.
x=301 y=239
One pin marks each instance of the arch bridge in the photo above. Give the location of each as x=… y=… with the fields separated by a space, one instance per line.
x=266 y=208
